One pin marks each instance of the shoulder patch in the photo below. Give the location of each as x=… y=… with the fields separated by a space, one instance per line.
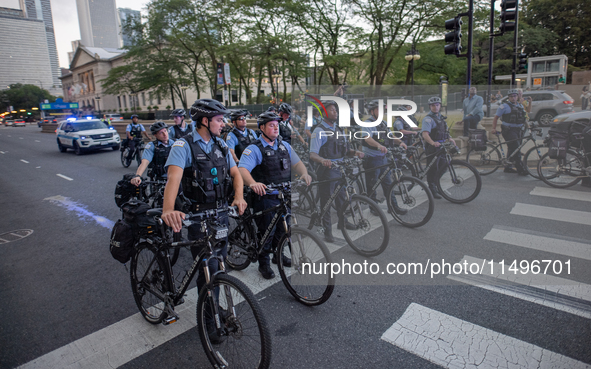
x=149 y=146
x=247 y=152
x=179 y=143
x=313 y=135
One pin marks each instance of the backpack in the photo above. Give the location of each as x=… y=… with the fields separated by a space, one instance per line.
x=124 y=190
x=478 y=139
x=122 y=241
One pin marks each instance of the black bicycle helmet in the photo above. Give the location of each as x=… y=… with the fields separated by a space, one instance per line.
x=178 y=113
x=271 y=108
x=157 y=127
x=372 y=105
x=135 y=116
x=267 y=117
x=239 y=113
x=208 y=108
x=285 y=108
x=434 y=100
x=328 y=103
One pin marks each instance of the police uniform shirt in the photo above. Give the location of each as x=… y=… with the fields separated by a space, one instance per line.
x=427 y=124
x=128 y=129
x=149 y=149
x=252 y=156
x=316 y=142
x=180 y=153
x=187 y=130
x=506 y=109
x=372 y=133
x=232 y=140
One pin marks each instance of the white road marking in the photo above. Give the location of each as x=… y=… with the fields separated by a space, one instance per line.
x=454 y=343
x=20 y=138
x=64 y=177
x=37 y=167
x=542 y=289
x=573 y=248
x=81 y=210
x=561 y=194
x=3 y=152
x=24 y=161
x=37 y=141
x=551 y=213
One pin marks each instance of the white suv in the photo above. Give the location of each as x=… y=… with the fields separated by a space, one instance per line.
x=84 y=135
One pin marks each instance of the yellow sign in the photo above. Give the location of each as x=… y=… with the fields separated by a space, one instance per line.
x=537 y=81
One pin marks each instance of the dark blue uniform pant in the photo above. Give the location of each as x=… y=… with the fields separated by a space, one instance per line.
x=220 y=249
x=513 y=133
x=470 y=122
x=439 y=163
x=372 y=175
x=325 y=190
x=262 y=203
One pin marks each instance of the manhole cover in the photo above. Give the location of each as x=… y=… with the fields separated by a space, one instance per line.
x=14 y=235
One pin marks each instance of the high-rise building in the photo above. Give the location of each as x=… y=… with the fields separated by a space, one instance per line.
x=41 y=10
x=127 y=15
x=98 y=23
x=25 y=56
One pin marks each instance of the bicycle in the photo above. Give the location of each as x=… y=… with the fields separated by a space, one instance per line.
x=364 y=214
x=570 y=170
x=301 y=245
x=127 y=156
x=462 y=183
x=232 y=328
x=493 y=157
x=409 y=199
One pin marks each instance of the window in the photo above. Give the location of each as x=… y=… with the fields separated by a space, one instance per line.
x=119 y=101
x=124 y=101
x=219 y=97
x=234 y=95
x=143 y=98
x=552 y=66
x=538 y=67
x=159 y=100
x=550 y=81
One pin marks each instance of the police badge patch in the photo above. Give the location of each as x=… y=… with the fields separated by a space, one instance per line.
x=179 y=143
x=246 y=152
x=218 y=153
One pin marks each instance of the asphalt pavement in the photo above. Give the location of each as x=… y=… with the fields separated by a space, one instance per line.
x=68 y=304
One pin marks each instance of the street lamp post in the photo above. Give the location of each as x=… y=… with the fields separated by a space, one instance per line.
x=276 y=76
x=411 y=56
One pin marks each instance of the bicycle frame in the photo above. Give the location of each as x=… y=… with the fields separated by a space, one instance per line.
x=524 y=141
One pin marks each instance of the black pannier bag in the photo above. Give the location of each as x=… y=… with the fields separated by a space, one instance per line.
x=135 y=213
x=124 y=190
x=122 y=240
x=477 y=139
x=557 y=144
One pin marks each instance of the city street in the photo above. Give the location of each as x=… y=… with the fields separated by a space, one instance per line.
x=67 y=303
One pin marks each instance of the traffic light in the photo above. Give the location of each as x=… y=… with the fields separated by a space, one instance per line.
x=455 y=36
x=508 y=15
x=523 y=61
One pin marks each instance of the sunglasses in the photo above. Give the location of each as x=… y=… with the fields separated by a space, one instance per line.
x=243 y=118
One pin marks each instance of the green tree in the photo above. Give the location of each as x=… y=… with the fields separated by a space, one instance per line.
x=21 y=96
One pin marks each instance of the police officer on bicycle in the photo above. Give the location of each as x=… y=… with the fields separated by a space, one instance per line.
x=401 y=125
x=434 y=132
x=286 y=129
x=329 y=143
x=134 y=132
x=375 y=147
x=155 y=154
x=269 y=160
x=180 y=127
x=514 y=121
x=239 y=137
x=201 y=162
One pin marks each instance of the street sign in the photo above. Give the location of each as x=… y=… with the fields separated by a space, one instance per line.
x=537 y=81
x=59 y=104
x=220 y=74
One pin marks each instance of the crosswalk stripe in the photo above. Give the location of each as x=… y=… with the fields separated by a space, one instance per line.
x=543 y=289
x=573 y=248
x=546 y=212
x=561 y=194
x=454 y=343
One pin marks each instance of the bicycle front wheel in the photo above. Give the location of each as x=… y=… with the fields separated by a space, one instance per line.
x=239 y=242
x=148 y=283
x=302 y=206
x=561 y=173
x=365 y=226
x=125 y=161
x=411 y=202
x=242 y=339
x=305 y=249
x=459 y=182
x=531 y=159
x=487 y=161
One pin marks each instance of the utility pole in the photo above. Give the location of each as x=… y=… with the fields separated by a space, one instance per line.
x=491 y=48
x=514 y=71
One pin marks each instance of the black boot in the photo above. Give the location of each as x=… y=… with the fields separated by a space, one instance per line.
x=435 y=192
x=328 y=237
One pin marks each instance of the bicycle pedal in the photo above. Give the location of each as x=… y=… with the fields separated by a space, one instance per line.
x=169 y=320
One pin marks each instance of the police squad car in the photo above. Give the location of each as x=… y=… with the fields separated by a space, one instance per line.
x=86 y=134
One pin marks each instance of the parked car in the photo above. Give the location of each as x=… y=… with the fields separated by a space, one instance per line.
x=8 y=122
x=581 y=117
x=19 y=123
x=545 y=105
x=114 y=117
x=85 y=135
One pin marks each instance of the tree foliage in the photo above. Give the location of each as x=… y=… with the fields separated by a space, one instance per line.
x=21 y=96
